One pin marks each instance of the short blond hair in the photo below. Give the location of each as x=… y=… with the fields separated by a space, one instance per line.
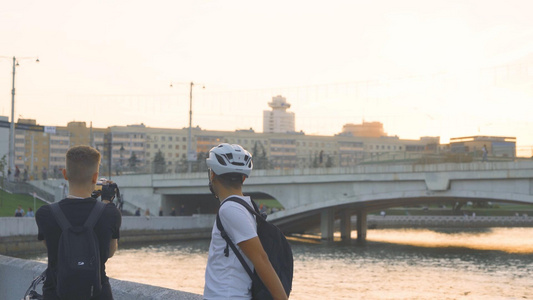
x=82 y=163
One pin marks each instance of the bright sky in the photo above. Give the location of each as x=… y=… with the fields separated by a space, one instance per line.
x=422 y=68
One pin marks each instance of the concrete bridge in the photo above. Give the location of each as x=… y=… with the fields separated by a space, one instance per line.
x=316 y=197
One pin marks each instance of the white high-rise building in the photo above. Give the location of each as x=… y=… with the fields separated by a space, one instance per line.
x=278 y=120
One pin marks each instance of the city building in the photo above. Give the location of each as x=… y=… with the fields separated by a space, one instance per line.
x=140 y=149
x=367 y=129
x=278 y=120
x=495 y=145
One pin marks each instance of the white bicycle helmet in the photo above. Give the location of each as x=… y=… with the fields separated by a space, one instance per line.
x=226 y=158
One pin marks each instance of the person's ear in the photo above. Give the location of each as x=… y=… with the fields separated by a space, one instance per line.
x=64 y=171
x=94 y=179
x=243 y=178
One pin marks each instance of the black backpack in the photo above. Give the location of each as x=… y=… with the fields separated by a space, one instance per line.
x=78 y=261
x=275 y=245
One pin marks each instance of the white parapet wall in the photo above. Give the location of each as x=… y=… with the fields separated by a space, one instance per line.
x=12 y=226
x=17 y=274
x=19 y=235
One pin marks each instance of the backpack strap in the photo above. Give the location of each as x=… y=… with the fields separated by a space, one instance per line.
x=95 y=214
x=229 y=242
x=254 y=211
x=60 y=217
x=90 y=222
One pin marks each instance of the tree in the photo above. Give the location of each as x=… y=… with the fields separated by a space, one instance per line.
x=133 y=161
x=259 y=157
x=159 y=163
x=329 y=162
x=200 y=165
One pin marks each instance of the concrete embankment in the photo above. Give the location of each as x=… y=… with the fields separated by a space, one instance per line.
x=18 y=236
x=17 y=274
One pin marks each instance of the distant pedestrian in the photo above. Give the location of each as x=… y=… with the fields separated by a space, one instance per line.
x=30 y=213
x=160 y=212
x=383 y=214
x=173 y=212
x=147 y=213
x=45 y=173
x=484 y=150
x=19 y=212
x=17 y=173
x=138 y=212
x=25 y=177
x=182 y=210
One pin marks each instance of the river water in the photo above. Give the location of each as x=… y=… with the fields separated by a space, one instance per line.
x=395 y=264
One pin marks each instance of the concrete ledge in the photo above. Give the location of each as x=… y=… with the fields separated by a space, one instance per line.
x=28 y=244
x=12 y=226
x=17 y=274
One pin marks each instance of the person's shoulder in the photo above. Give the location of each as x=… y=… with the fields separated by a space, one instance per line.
x=233 y=207
x=111 y=208
x=43 y=213
x=45 y=209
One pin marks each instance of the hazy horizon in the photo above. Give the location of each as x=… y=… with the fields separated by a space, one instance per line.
x=439 y=68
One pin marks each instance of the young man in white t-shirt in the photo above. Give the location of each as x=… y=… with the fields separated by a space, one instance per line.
x=225 y=277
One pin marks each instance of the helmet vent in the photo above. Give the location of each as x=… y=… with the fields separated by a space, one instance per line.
x=229 y=156
x=220 y=160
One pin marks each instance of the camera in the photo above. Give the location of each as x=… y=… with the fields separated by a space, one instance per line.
x=107 y=189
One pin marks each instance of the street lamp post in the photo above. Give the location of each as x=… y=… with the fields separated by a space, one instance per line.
x=12 y=126
x=191 y=156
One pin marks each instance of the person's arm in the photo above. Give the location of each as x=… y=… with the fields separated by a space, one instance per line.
x=253 y=249
x=113 y=246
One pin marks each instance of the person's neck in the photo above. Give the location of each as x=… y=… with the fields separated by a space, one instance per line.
x=230 y=192
x=77 y=191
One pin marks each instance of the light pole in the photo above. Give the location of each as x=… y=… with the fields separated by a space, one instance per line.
x=191 y=155
x=12 y=126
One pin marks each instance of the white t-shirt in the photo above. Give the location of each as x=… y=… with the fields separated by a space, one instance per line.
x=225 y=277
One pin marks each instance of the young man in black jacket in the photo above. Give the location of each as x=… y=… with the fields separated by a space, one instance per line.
x=81 y=172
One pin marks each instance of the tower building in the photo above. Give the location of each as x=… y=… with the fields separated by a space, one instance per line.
x=278 y=120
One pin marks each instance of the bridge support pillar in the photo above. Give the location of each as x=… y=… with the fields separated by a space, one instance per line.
x=326 y=224
x=361 y=226
x=346 y=226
